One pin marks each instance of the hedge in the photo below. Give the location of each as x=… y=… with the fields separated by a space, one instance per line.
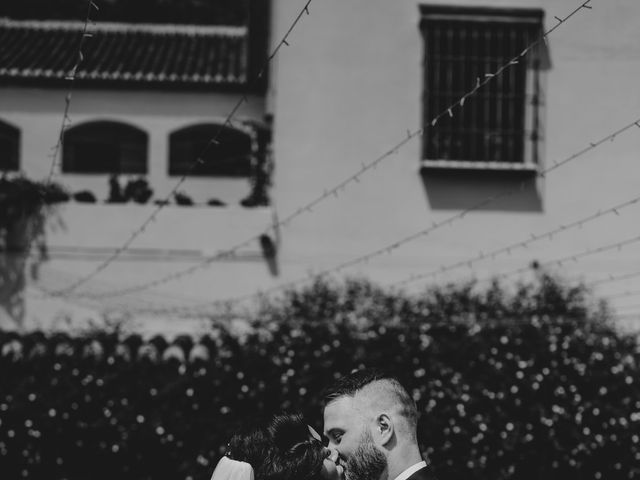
x=526 y=385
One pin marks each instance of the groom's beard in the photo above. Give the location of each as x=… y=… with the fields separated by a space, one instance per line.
x=367 y=462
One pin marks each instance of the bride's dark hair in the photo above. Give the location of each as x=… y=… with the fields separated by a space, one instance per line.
x=280 y=449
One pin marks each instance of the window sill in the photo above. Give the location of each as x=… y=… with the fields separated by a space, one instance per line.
x=453 y=165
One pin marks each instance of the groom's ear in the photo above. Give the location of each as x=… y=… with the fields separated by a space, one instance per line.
x=384 y=429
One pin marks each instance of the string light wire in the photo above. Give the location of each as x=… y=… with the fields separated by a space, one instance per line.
x=574 y=257
x=626 y=293
x=354 y=178
x=447 y=111
x=522 y=243
x=71 y=77
x=614 y=278
x=448 y=221
x=388 y=249
x=198 y=161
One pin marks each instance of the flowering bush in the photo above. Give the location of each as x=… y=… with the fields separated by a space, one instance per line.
x=525 y=385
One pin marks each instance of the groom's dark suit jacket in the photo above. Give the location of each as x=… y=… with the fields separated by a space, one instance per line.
x=425 y=473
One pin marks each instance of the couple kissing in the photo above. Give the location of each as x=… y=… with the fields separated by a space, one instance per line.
x=370 y=421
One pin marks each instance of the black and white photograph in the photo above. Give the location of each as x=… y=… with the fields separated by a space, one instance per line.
x=319 y=239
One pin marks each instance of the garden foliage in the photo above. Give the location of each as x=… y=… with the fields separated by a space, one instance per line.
x=24 y=208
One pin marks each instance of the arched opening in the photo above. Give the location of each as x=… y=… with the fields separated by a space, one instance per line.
x=105 y=147
x=229 y=156
x=9 y=147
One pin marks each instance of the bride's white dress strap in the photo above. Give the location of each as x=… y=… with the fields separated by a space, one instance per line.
x=229 y=469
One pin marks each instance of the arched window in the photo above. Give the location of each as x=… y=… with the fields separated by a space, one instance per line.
x=105 y=147
x=9 y=147
x=230 y=156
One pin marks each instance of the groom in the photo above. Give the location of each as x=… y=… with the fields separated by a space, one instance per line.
x=371 y=421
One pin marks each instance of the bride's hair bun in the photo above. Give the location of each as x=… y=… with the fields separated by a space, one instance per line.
x=300 y=456
x=279 y=449
x=250 y=445
x=289 y=432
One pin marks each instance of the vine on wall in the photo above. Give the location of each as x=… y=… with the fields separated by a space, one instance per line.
x=24 y=208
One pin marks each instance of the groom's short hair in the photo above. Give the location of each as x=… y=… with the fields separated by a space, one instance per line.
x=349 y=385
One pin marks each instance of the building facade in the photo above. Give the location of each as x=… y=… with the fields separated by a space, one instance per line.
x=413 y=143
x=373 y=74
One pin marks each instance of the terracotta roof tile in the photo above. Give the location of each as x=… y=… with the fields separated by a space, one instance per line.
x=126 y=53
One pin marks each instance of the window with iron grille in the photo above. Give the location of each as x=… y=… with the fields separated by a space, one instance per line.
x=499 y=126
x=9 y=147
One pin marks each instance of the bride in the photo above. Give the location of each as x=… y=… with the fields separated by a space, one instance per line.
x=285 y=448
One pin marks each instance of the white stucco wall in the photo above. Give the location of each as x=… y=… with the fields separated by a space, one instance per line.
x=349 y=88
